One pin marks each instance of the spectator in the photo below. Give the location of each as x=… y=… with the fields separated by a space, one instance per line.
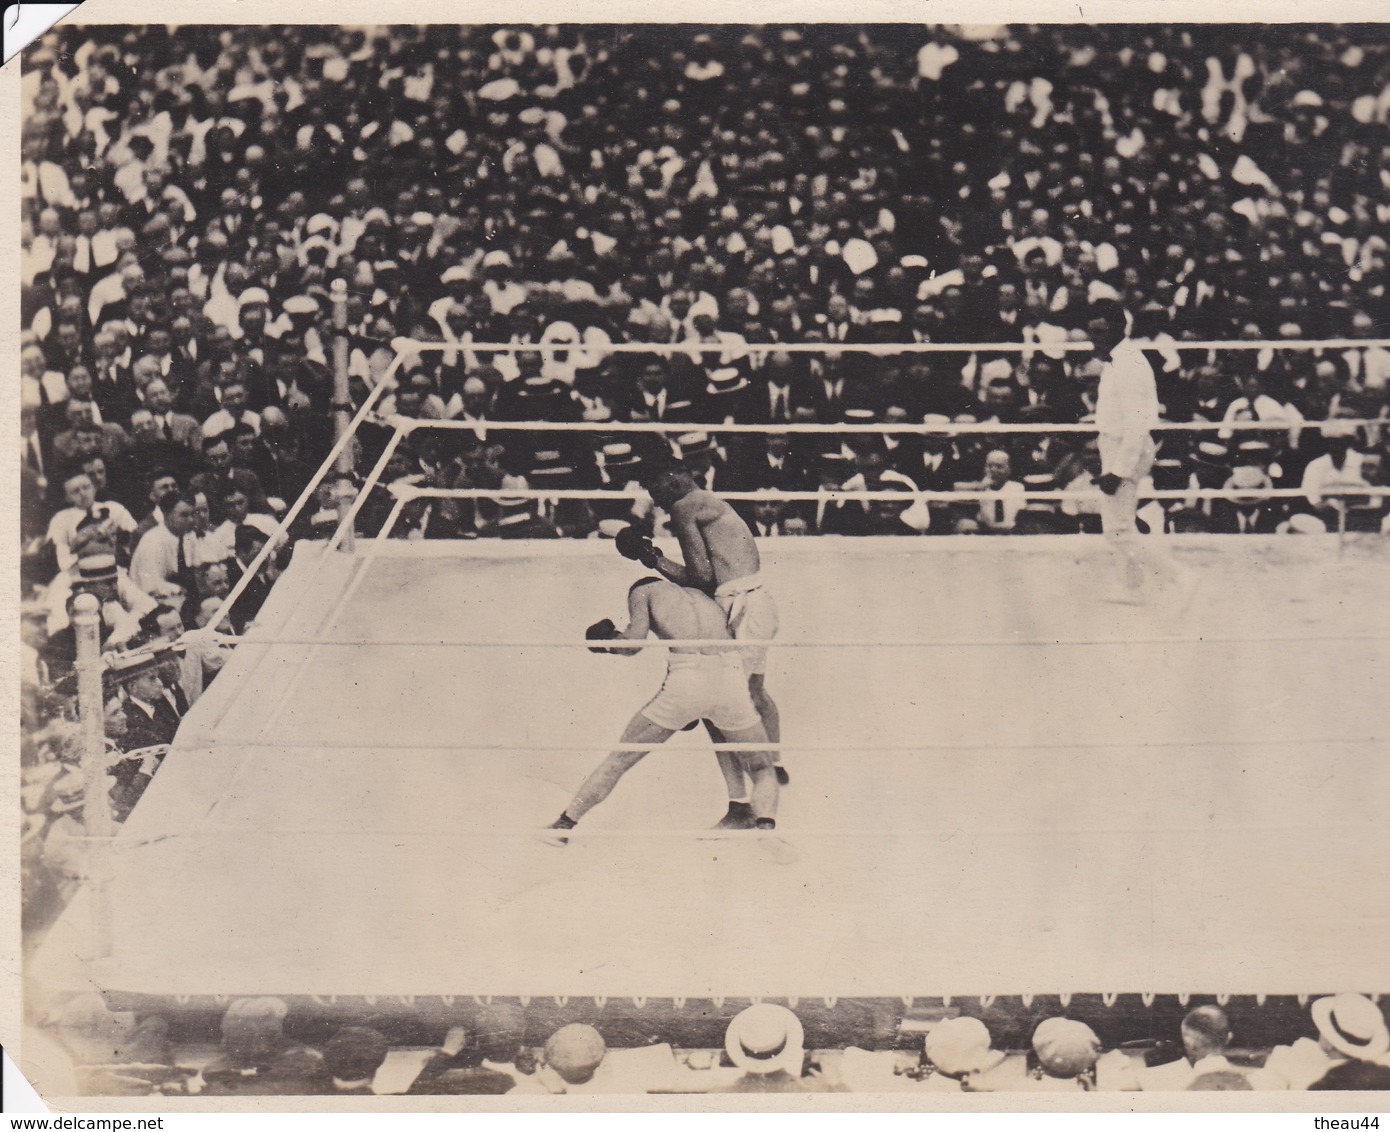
x=766 y=1042
x=233 y=511
x=170 y=425
x=1066 y=1051
x=1351 y=1028
x=1334 y=473
x=115 y=1054
x=166 y=555
x=1251 y=513
x=351 y=1059
x=959 y=1049
x=232 y=398
x=154 y=708
x=574 y=1053
x=248 y=543
x=221 y=474
x=1255 y=404
x=1206 y=1032
x=479 y=1063
x=85 y=435
x=518 y=516
x=257 y=1059
x=998 y=512
x=1353 y=1076
x=111 y=520
x=127 y=615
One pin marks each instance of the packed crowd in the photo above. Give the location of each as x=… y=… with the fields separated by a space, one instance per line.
x=1338 y=1043
x=194 y=198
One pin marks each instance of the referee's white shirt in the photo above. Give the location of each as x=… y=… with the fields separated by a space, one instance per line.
x=1126 y=409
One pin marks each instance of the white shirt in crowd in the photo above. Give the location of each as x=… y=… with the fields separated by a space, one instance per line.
x=1000 y=511
x=1264 y=408
x=62 y=528
x=1321 y=476
x=154 y=567
x=122 y=616
x=223 y=421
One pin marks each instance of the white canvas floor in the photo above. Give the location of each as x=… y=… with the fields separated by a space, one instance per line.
x=982 y=812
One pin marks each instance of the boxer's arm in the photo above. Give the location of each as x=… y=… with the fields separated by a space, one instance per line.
x=698 y=571
x=639 y=623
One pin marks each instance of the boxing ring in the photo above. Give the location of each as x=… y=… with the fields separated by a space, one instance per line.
x=999 y=785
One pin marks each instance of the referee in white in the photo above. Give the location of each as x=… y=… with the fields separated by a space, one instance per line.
x=1127 y=409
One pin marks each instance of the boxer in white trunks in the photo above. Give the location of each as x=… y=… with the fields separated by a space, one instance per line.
x=721 y=558
x=700 y=684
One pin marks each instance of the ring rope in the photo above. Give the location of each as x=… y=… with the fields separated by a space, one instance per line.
x=402 y=345
x=799 y=835
x=988 y=428
x=272 y=544
x=835 y=495
x=839 y=748
x=726 y=643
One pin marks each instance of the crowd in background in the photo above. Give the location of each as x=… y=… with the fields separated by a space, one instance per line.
x=261 y=1047
x=192 y=196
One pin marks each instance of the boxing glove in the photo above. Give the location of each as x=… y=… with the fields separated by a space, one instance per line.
x=633 y=544
x=603 y=630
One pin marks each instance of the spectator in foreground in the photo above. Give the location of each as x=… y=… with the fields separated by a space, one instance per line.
x=258 y=1060
x=574 y=1053
x=1351 y=1028
x=959 y=1050
x=1353 y=1076
x=1206 y=1032
x=476 y=1063
x=1066 y=1052
x=767 y=1042
x=351 y=1059
x=114 y=1054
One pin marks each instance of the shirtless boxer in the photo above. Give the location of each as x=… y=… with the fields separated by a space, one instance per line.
x=721 y=557
x=700 y=684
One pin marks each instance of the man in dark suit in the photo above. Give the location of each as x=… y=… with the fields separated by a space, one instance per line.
x=780 y=388
x=282 y=470
x=934 y=462
x=154 y=708
x=771 y=462
x=661 y=394
x=113 y=387
x=171 y=425
x=248 y=544
x=834 y=390
x=930 y=386
x=707 y=465
x=217 y=456
x=837 y=323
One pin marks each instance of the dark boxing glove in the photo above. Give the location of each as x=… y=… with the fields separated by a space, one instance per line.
x=603 y=630
x=1109 y=483
x=633 y=544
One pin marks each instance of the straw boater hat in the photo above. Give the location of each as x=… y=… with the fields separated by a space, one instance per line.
x=726 y=379
x=574 y=1052
x=1065 y=1047
x=766 y=1038
x=96 y=568
x=619 y=455
x=959 y=1047
x=694 y=443
x=1352 y=1025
